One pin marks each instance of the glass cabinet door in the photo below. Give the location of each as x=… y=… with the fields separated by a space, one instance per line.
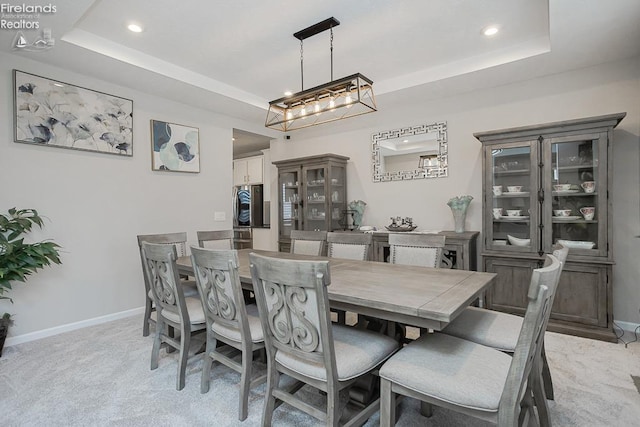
x=289 y=186
x=577 y=206
x=512 y=197
x=338 y=198
x=316 y=197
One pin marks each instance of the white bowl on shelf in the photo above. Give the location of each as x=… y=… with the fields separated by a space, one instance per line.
x=576 y=244
x=515 y=241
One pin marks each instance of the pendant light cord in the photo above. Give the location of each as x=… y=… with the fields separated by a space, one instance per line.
x=331 y=49
x=301 y=65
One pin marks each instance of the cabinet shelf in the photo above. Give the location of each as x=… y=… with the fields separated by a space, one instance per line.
x=512 y=172
x=569 y=168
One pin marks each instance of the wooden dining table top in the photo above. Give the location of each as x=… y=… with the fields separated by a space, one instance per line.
x=419 y=296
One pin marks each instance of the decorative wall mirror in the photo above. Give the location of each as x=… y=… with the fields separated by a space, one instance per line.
x=410 y=153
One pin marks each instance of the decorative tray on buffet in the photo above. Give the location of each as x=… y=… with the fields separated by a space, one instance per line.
x=400 y=228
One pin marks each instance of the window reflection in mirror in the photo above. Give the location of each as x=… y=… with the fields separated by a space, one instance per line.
x=411 y=153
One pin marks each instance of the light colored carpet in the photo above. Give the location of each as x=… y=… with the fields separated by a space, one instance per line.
x=100 y=376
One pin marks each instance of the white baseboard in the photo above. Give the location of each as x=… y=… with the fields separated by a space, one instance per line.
x=627 y=327
x=32 y=336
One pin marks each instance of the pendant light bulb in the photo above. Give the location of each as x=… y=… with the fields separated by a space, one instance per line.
x=332 y=103
x=316 y=107
x=303 y=111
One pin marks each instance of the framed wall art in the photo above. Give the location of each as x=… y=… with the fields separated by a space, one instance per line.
x=174 y=147
x=57 y=114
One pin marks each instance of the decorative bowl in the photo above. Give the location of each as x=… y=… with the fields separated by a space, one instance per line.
x=514 y=188
x=576 y=244
x=514 y=212
x=400 y=228
x=562 y=187
x=562 y=212
x=515 y=241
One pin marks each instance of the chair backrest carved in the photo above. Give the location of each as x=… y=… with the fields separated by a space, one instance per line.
x=220 y=289
x=294 y=309
x=355 y=246
x=544 y=282
x=305 y=242
x=162 y=276
x=423 y=250
x=219 y=239
x=179 y=240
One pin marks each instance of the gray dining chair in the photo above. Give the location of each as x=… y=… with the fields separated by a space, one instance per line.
x=424 y=250
x=356 y=246
x=229 y=320
x=501 y=330
x=305 y=242
x=173 y=308
x=219 y=239
x=473 y=379
x=303 y=344
x=179 y=240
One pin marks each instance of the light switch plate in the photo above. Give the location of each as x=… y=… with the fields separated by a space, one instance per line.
x=219 y=216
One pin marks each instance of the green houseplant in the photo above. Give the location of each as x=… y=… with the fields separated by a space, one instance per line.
x=18 y=259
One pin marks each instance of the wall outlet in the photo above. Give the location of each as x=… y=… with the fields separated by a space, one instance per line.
x=219 y=216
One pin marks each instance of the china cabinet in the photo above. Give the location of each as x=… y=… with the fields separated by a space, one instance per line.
x=543 y=185
x=312 y=195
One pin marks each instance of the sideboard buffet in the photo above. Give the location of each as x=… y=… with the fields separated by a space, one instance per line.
x=543 y=185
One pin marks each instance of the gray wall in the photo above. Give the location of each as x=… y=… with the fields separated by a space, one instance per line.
x=604 y=89
x=96 y=204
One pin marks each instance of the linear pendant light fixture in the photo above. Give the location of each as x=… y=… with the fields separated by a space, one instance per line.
x=339 y=99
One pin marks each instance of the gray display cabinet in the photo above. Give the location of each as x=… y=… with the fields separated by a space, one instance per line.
x=312 y=195
x=542 y=185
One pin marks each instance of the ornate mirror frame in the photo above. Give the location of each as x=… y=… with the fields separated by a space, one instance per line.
x=438 y=170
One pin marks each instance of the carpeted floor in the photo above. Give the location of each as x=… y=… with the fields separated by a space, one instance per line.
x=100 y=376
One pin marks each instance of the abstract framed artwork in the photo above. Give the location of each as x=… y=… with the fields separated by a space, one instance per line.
x=57 y=114
x=174 y=147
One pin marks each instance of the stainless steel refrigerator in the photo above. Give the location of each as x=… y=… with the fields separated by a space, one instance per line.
x=248 y=204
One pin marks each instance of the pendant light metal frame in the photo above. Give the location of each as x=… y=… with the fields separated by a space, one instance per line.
x=338 y=99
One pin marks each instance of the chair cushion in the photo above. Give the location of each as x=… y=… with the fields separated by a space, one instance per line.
x=348 y=251
x=357 y=352
x=487 y=327
x=234 y=334
x=190 y=288
x=451 y=369
x=194 y=307
x=307 y=247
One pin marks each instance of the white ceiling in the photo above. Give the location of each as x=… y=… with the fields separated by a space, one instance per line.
x=232 y=57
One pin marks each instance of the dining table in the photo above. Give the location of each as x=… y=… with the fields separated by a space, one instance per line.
x=419 y=296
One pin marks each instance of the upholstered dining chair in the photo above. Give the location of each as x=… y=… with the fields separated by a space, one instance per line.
x=173 y=308
x=355 y=246
x=228 y=319
x=220 y=239
x=501 y=330
x=424 y=250
x=470 y=378
x=302 y=343
x=305 y=242
x=179 y=240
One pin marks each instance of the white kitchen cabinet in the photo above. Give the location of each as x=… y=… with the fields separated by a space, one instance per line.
x=247 y=171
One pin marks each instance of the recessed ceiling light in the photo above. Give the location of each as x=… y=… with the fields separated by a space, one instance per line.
x=135 y=28
x=288 y=93
x=58 y=84
x=490 y=31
